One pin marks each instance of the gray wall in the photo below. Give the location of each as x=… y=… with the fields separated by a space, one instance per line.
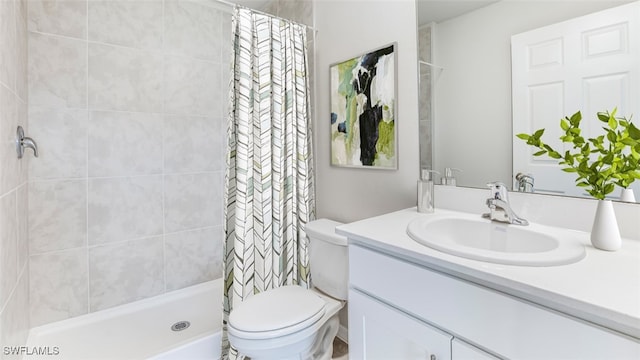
x=347 y=29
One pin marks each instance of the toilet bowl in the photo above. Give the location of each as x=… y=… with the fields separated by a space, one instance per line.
x=291 y=322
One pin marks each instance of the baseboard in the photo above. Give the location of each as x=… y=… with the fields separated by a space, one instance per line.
x=343 y=333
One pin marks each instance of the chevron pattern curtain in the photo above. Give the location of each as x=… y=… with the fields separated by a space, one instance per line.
x=269 y=193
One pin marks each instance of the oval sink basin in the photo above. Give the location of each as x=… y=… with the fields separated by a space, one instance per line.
x=481 y=239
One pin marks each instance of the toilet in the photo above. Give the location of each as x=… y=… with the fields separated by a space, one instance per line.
x=291 y=322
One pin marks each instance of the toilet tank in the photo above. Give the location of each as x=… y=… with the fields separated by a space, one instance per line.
x=328 y=258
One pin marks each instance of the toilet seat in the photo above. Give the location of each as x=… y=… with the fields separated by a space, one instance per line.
x=276 y=313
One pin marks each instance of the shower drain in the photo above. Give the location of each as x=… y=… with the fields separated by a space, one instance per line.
x=180 y=325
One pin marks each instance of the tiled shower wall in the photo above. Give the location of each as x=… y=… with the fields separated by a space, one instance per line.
x=127 y=101
x=14 y=264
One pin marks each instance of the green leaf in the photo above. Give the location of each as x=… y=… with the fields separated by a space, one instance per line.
x=575 y=119
x=574 y=131
x=523 y=136
x=608 y=189
x=538 y=133
x=564 y=124
x=541 y=152
x=569 y=170
x=613 y=123
x=603 y=116
x=555 y=155
x=628 y=141
x=634 y=133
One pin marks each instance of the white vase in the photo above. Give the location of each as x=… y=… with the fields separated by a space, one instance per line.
x=627 y=195
x=605 y=234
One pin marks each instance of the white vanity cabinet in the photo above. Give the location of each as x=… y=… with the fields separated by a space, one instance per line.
x=395 y=304
x=380 y=332
x=461 y=350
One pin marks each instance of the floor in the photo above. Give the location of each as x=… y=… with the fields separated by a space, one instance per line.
x=340 y=350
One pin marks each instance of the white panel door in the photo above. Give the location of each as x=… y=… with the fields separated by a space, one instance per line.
x=590 y=64
x=380 y=332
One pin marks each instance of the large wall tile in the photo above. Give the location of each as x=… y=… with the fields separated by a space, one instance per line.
x=271 y=7
x=124 y=79
x=125 y=272
x=193 y=257
x=8 y=246
x=129 y=23
x=14 y=320
x=21 y=49
x=57 y=71
x=57 y=215
x=124 y=144
x=58 y=285
x=192 y=87
x=61 y=136
x=124 y=208
x=192 y=29
x=192 y=201
x=60 y=17
x=9 y=119
x=227 y=50
x=22 y=172
x=7 y=44
x=127 y=102
x=192 y=144
x=23 y=227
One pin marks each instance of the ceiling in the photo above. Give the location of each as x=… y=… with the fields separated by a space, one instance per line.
x=441 y=10
x=428 y=10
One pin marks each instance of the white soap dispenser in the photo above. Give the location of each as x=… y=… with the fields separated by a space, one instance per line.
x=448 y=178
x=425 y=191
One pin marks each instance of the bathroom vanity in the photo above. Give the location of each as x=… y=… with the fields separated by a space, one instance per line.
x=410 y=301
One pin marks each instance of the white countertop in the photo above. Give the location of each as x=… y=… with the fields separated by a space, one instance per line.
x=603 y=288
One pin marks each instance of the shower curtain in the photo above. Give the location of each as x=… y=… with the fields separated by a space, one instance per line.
x=269 y=189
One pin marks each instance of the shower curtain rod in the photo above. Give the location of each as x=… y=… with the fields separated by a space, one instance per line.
x=228 y=3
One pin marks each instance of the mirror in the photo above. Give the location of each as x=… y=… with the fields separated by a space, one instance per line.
x=465 y=81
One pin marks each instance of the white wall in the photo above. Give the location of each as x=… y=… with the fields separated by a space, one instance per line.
x=473 y=94
x=347 y=29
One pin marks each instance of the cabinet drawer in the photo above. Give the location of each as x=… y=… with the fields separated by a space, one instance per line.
x=380 y=332
x=507 y=325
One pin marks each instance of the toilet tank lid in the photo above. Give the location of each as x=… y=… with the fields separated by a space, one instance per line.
x=324 y=229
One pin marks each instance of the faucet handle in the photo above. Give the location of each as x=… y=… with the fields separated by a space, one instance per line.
x=498 y=190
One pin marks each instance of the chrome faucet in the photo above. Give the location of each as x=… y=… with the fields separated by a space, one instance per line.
x=525 y=182
x=23 y=142
x=499 y=208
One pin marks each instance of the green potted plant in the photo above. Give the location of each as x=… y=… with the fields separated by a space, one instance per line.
x=599 y=163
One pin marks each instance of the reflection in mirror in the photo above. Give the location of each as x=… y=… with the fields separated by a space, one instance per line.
x=425 y=89
x=590 y=63
x=468 y=104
